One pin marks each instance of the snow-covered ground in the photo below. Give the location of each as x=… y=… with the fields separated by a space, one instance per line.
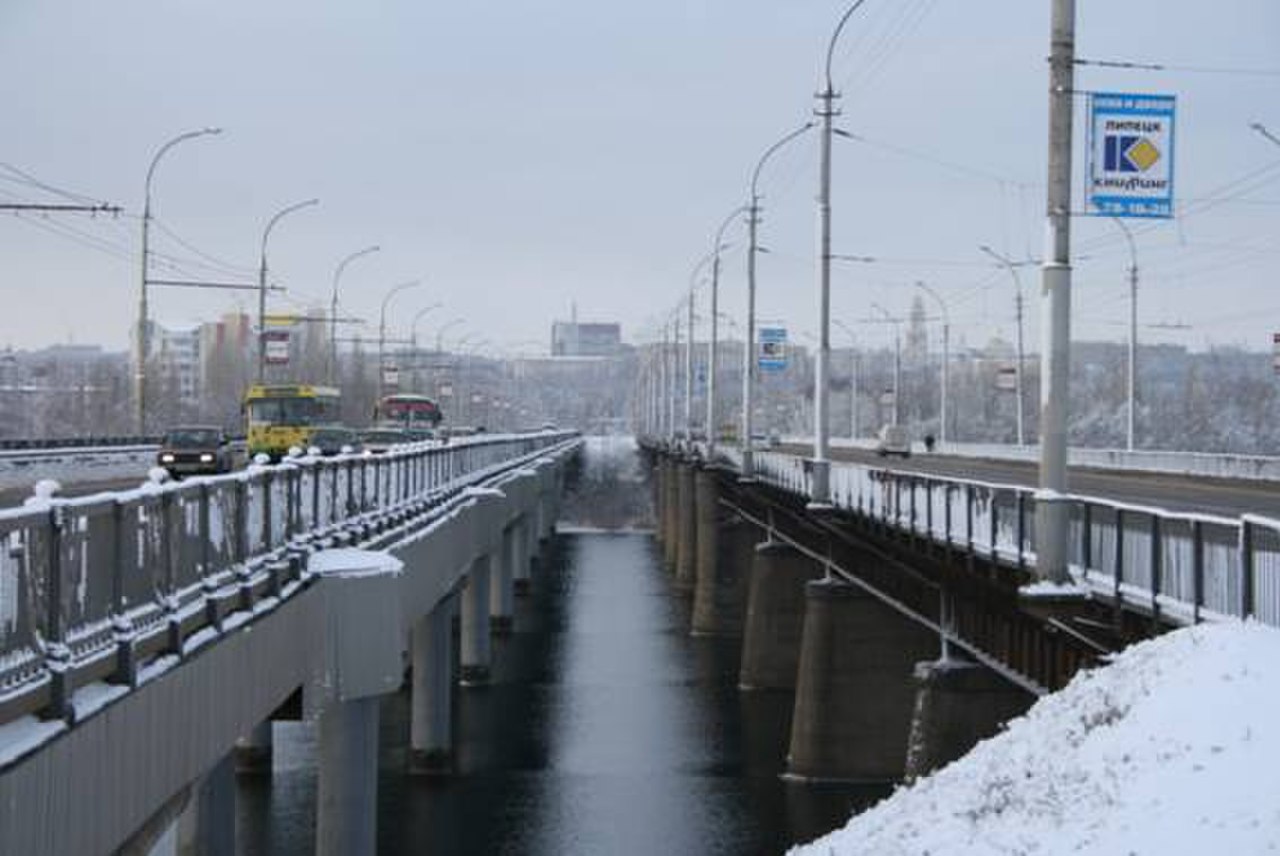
x=1173 y=748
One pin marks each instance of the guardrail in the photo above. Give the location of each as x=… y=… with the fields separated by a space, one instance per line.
x=1185 y=567
x=90 y=586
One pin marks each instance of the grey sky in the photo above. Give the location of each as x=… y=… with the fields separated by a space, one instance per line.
x=522 y=156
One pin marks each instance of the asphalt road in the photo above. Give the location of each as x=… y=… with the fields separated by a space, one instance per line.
x=1225 y=497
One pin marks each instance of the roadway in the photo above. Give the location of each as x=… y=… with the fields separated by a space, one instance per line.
x=1225 y=497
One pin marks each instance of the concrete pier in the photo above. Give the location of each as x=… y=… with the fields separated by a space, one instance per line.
x=855 y=694
x=725 y=547
x=431 y=699
x=958 y=704
x=346 y=824
x=253 y=751
x=687 y=527
x=501 y=584
x=521 y=561
x=670 y=512
x=476 y=649
x=775 y=616
x=208 y=825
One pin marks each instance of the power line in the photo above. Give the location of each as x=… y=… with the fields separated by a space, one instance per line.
x=1194 y=69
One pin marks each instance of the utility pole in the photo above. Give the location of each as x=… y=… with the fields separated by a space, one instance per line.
x=1051 y=529
x=1012 y=267
x=946 y=347
x=897 y=361
x=712 y=364
x=262 y=282
x=688 y=374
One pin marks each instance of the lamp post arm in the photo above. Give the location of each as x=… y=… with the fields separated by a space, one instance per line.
x=835 y=36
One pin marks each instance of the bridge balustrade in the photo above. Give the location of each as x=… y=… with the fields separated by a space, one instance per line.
x=1185 y=567
x=87 y=583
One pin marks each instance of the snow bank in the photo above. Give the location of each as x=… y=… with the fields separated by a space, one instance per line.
x=1172 y=748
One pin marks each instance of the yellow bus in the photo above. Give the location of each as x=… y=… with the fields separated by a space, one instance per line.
x=280 y=416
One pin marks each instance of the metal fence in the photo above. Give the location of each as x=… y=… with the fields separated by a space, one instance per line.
x=85 y=580
x=1185 y=567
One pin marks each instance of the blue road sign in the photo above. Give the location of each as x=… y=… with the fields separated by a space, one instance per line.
x=1130 y=172
x=773 y=349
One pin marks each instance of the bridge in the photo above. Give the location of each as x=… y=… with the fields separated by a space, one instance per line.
x=144 y=633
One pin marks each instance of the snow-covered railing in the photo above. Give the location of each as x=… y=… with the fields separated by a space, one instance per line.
x=1184 y=566
x=90 y=585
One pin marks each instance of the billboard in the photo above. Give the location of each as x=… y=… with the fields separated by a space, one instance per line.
x=1130 y=162
x=773 y=349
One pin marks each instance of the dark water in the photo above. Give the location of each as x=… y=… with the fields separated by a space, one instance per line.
x=607 y=730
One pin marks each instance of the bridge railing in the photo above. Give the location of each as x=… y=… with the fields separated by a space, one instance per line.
x=87 y=583
x=1187 y=567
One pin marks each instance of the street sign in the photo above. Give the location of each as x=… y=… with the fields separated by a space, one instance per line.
x=446 y=390
x=773 y=349
x=1130 y=163
x=390 y=375
x=275 y=347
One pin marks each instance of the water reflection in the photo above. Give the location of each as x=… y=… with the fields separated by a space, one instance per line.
x=607 y=729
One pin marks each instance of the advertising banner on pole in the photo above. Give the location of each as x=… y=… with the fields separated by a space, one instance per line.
x=773 y=349
x=275 y=347
x=1130 y=162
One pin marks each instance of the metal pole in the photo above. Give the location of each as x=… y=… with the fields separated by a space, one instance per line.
x=820 y=484
x=715 y=331
x=688 y=373
x=1008 y=264
x=382 y=329
x=1051 y=534
x=1133 y=334
x=946 y=335
x=853 y=377
x=262 y=281
x=332 y=368
x=142 y=345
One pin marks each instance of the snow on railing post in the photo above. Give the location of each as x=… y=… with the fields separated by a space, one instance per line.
x=126 y=667
x=168 y=576
x=240 y=520
x=57 y=656
x=1246 y=568
x=208 y=579
x=1197 y=570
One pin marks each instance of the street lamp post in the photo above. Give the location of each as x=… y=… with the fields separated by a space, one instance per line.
x=333 y=309
x=1009 y=265
x=1130 y=419
x=715 y=332
x=853 y=378
x=262 y=281
x=820 y=491
x=688 y=351
x=749 y=348
x=897 y=362
x=946 y=347
x=143 y=334
x=382 y=329
x=413 y=338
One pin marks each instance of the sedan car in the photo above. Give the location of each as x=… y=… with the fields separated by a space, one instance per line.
x=195 y=450
x=379 y=440
x=335 y=439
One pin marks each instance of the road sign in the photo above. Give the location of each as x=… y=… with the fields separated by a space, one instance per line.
x=275 y=347
x=1130 y=172
x=1007 y=378
x=773 y=349
x=391 y=375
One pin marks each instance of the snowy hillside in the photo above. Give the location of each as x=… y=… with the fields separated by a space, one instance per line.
x=1173 y=748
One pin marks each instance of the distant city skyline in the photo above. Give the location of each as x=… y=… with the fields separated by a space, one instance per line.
x=525 y=160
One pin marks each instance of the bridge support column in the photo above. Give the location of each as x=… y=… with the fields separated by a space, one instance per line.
x=958 y=703
x=520 y=560
x=687 y=526
x=253 y=753
x=501 y=600
x=362 y=640
x=725 y=547
x=854 y=690
x=208 y=826
x=658 y=477
x=431 y=698
x=671 y=513
x=775 y=616
x=476 y=655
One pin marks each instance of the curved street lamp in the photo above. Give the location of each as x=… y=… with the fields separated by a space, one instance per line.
x=382 y=329
x=715 y=330
x=821 y=481
x=946 y=347
x=143 y=337
x=262 y=280
x=1009 y=265
x=749 y=349
x=333 y=308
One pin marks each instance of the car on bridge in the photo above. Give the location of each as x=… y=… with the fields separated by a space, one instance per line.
x=379 y=440
x=188 y=450
x=335 y=440
x=893 y=440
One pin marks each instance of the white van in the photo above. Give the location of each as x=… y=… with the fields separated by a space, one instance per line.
x=894 y=440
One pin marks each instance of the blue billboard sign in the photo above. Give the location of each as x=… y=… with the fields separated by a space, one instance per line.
x=773 y=349
x=1130 y=164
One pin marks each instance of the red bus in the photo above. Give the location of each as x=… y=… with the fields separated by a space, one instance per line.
x=408 y=411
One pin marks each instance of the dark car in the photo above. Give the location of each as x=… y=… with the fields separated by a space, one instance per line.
x=334 y=440
x=196 y=450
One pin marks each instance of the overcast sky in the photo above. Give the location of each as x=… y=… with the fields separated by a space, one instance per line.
x=520 y=157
